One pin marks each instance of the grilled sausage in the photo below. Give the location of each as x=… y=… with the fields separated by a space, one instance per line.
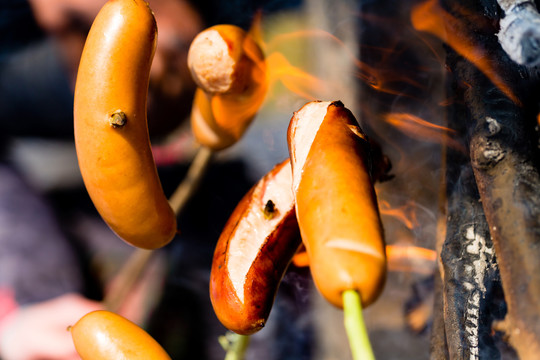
x=336 y=205
x=111 y=133
x=104 y=335
x=253 y=252
x=229 y=68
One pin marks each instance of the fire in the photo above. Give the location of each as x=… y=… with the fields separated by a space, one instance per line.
x=296 y=79
x=301 y=259
x=409 y=258
x=310 y=87
x=401 y=257
x=417 y=127
x=293 y=78
x=405 y=214
x=279 y=69
x=432 y=18
x=377 y=78
x=405 y=258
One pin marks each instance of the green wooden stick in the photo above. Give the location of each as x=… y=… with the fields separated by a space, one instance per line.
x=355 y=327
x=235 y=345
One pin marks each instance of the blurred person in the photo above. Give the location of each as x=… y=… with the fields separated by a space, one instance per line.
x=43 y=287
x=39 y=56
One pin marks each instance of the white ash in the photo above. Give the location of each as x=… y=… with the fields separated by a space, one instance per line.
x=519 y=33
x=476 y=245
x=472 y=314
x=509 y=5
x=493 y=125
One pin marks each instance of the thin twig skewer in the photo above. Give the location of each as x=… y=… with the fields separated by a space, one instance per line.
x=135 y=265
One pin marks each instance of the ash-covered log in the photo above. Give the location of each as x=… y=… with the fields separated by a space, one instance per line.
x=500 y=121
x=471 y=277
x=505 y=158
x=470 y=298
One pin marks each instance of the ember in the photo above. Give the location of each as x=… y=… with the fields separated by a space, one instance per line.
x=493 y=205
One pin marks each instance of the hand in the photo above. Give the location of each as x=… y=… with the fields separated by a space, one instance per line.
x=40 y=331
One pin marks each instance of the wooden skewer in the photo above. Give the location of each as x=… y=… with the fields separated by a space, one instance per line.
x=134 y=267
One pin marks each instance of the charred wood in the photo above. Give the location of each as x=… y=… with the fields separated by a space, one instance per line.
x=471 y=295
x=504 y=155
x=471 y=277
x=501 y=120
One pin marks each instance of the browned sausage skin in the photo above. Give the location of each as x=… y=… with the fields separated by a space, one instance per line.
x=253 y=252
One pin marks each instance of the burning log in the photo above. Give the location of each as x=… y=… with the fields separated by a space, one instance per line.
x=500 y=192
x=519 y=33
x=470 y=274
x=504 y=157
x=470 y=281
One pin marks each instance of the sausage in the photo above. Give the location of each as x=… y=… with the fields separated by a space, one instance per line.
x=111 y=132
x=104 y=335
x=203 y=124
x=229 y=68
x=253 y=252
x=336 y=205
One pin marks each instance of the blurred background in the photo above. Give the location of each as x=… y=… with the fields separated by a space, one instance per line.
x=52 y=241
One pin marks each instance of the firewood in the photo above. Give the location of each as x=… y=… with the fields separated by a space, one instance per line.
x=471 y=275
x=500 y=130
x=470 y=282
x=504 y=156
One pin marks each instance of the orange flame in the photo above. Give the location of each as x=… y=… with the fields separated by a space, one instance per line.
x=406 y=258
x=406 y=214
x=377 y=78
x=255 y=30
x=309 y=86
x=279 y=69
x=293 y=78
x=430 y=17
x=416 y=127
x=301 y=259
